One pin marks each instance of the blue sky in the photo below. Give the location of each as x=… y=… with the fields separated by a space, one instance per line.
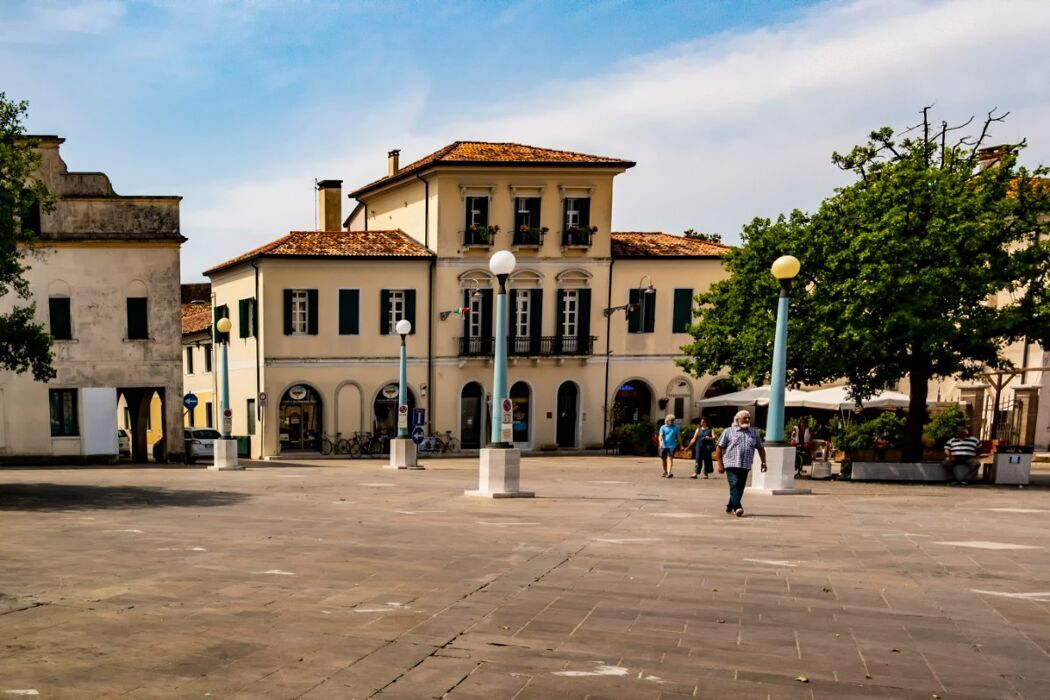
x=730 y=108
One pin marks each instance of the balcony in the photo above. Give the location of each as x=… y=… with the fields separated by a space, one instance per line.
x=529 y=237
x=535 y=346
x=578 y=236
x=479 y=236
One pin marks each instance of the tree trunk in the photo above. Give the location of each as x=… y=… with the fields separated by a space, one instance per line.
x=918 y=391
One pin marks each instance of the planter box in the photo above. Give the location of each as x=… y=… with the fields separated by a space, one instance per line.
x=898 y=471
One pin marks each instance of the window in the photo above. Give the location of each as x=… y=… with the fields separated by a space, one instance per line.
x=207 y=357
x=250 y=413
x=570 y=316
x=642 y=317
x=394 y=305
x=300 y=312
x=138 y=322
x=527 y=213
x=477 y=211
x=522 y=312
x=189 y=359
x=246 y=317
x=64 y=413
x=209 y=419
x=683 y=312
x=476 y=315
x=61 y=322
x=349 y=311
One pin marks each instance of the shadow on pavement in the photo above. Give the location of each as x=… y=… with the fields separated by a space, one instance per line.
x=58 y=497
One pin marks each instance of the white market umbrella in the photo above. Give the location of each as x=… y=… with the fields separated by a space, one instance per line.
x=837 y=398
x=755 y=396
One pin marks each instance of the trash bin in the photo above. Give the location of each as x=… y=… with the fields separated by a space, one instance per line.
x=1012 y=465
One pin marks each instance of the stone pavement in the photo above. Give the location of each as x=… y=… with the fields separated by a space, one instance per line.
x=345 y=580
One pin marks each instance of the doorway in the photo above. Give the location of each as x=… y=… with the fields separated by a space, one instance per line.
x=568 y=400
x=300 y=417
x=471 y=403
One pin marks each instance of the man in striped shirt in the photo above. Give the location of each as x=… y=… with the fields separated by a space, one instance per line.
x=961 y=451
x=736 y=452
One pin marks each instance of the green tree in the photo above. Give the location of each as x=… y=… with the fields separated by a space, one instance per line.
x=24 y=345
x=897 y=272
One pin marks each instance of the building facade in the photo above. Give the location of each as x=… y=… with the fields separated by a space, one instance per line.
x=105 y=280
x=596 y=318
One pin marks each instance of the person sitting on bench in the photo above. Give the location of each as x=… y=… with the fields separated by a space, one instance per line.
x=961 y=451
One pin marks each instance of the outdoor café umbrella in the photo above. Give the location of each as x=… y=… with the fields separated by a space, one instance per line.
x=837 y=398
x=756 y=396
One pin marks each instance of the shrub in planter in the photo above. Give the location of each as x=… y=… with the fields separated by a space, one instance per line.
x=638 y=438
x=942 y=426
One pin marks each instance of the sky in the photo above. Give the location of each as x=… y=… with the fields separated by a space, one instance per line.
x=730 y=108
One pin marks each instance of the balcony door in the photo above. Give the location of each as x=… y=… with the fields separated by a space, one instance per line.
x=568 y=403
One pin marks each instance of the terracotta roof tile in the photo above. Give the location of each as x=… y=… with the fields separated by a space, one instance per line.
x=196 y=318
x=651 y=244
x=334 y=244
x=486 y=153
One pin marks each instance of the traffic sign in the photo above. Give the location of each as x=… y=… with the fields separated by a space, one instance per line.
x=190 y=401
x=227 y=421
x=402 y=416
x=417 y=434
x=507 y=424
x=419 y=416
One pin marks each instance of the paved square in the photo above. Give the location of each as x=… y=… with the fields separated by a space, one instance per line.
x=345 y=580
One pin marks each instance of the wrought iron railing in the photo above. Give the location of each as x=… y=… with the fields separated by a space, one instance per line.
x=479 y=235
x=577 y=237
x=532 y=346
x=529 y=236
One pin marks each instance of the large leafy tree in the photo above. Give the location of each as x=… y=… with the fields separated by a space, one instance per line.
x=24 y=345
x=926 y=266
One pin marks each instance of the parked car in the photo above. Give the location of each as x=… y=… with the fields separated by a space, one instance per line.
x=200 y=442
x=123 y=443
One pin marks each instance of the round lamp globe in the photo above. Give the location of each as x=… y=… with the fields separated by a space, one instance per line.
x=223 y=325
x=403 y=327
x=502 y=263
x=785 y=267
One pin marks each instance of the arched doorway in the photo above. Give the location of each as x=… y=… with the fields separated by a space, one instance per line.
x=384 y=411
x=568 y=411
x=471 y=411
x=521 y=398
x=633 y=403
x=300 y=419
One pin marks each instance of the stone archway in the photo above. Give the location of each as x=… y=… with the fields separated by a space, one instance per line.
x=632 y=403
x=300 y=419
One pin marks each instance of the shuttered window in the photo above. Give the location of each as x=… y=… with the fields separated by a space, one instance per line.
x=189 y=359
x=247 y=322
x=349 y=311
x=138 y=318
x=394 y=305
x=61 y=320
x=300 y=312
x=642 y=317
x=477 y=212
x=683 y=311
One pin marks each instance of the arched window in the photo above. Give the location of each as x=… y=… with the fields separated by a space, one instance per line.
x=300 y=419
x=521 y=399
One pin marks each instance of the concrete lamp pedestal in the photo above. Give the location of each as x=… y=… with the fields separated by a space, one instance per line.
x=402 y=454
x=499 y=474
x=225 y=459
x=779 y=477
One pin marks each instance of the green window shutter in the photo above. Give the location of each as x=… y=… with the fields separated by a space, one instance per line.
x=410 y=308
x=349 y=311
x=486 y=313
x=250 y=414
x=467 y=206
x=289 y=326
x=384 y=312
x=536 y=319
x=482 y=204
x=466 y=316
x=650 y=313
x=634 y=314
x=584 y=207
x=583 y=327
x=61 y=323
x=243 y=319
x=565 y=214
x=312 y=311
x=138 y=319
x=559 y=322
x=512 y=314
x=683 y=309
x=534 y=211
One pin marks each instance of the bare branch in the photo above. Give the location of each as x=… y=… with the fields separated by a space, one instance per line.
x=984 y=133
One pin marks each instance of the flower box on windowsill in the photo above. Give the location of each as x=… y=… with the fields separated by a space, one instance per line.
x=479 y=236
x=578 y=237
x=528 y=237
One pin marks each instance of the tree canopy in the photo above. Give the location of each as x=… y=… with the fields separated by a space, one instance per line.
x=926 y=266
x=24 y=345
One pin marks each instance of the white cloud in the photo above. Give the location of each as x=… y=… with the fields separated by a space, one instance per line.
x=39 y=21
x=724 y=128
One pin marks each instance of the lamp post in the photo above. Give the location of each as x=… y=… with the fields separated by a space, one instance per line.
x=225 y=450
x=500 y=464
x=403 y=448
x=607 y=312
x=778 y=477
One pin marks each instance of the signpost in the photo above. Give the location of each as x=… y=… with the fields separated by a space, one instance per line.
x=507 y=424
x=190 y=401
x=417 y=434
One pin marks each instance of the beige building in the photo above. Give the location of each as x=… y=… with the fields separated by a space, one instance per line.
x=105 y=281
x=597 y=318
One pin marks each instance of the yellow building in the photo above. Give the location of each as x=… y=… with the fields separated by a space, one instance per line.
x=597 y=318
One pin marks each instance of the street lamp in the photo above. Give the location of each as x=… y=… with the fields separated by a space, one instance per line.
x=500 y=464
x=225 y=450
x=403 y=448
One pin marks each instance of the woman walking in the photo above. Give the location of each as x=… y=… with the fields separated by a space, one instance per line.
x=703 y=446
x=736 y=451
x=670 y=439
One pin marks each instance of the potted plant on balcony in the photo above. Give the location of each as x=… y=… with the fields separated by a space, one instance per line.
x=481 y=235
x=579 y=235
x=530 y=235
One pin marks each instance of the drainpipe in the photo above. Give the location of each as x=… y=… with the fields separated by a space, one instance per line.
x=259 y=412
x=430 y=303
x=608 y=326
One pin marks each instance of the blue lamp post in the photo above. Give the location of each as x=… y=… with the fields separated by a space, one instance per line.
x=403 y=328
x=501 y=264
x=223 y=325
x=784 y=268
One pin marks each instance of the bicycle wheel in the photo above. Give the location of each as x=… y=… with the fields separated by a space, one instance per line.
x=326 y=446
x=452 y=445
x=342 y=446
x=375 y=447
x=354 y=449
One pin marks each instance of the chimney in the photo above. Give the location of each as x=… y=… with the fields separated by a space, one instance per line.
x=392 y=159
x=330 y=205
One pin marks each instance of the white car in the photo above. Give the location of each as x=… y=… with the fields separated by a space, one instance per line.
x=123 y=443
x=200 y=442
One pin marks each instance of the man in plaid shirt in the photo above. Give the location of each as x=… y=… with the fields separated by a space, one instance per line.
x=736 y=451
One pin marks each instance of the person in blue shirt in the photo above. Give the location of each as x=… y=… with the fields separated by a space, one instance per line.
x=670 y=439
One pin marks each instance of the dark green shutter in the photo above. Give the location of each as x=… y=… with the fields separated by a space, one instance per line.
x=466 y=213
x=536 y=320
x=410 y=308
x=583 y=326
x=384 y=312
x=311 y=311
x=486 y=313
x=683 y=302
x=634 y=314
x=559 y=322
x=349 y=311
x=243 y=319
x=584 y=207
x=61 y=323
x=565 y=214
x=466 y=316
x=512 y=321
x=650 y=312
x=483 y=207
x=289 y=326
x=138 y=322
x=534 y=211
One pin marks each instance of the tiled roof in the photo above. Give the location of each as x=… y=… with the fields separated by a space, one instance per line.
x=649 y=244
x=196 y=318
x=334 y=244
x=485 y=153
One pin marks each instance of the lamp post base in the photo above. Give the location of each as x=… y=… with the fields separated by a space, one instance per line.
x=225 y=459
x=779 y=477
x=402 y=454
x=499 y=474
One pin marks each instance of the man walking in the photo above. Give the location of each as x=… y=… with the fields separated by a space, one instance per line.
x=961 y=461
x=736 y=451
x=670 y=439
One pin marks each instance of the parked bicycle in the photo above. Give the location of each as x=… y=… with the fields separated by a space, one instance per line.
x=338 y=444
x=365 y=444
x=445 y=442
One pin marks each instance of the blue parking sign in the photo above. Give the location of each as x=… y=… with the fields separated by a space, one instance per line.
x=419 y=416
